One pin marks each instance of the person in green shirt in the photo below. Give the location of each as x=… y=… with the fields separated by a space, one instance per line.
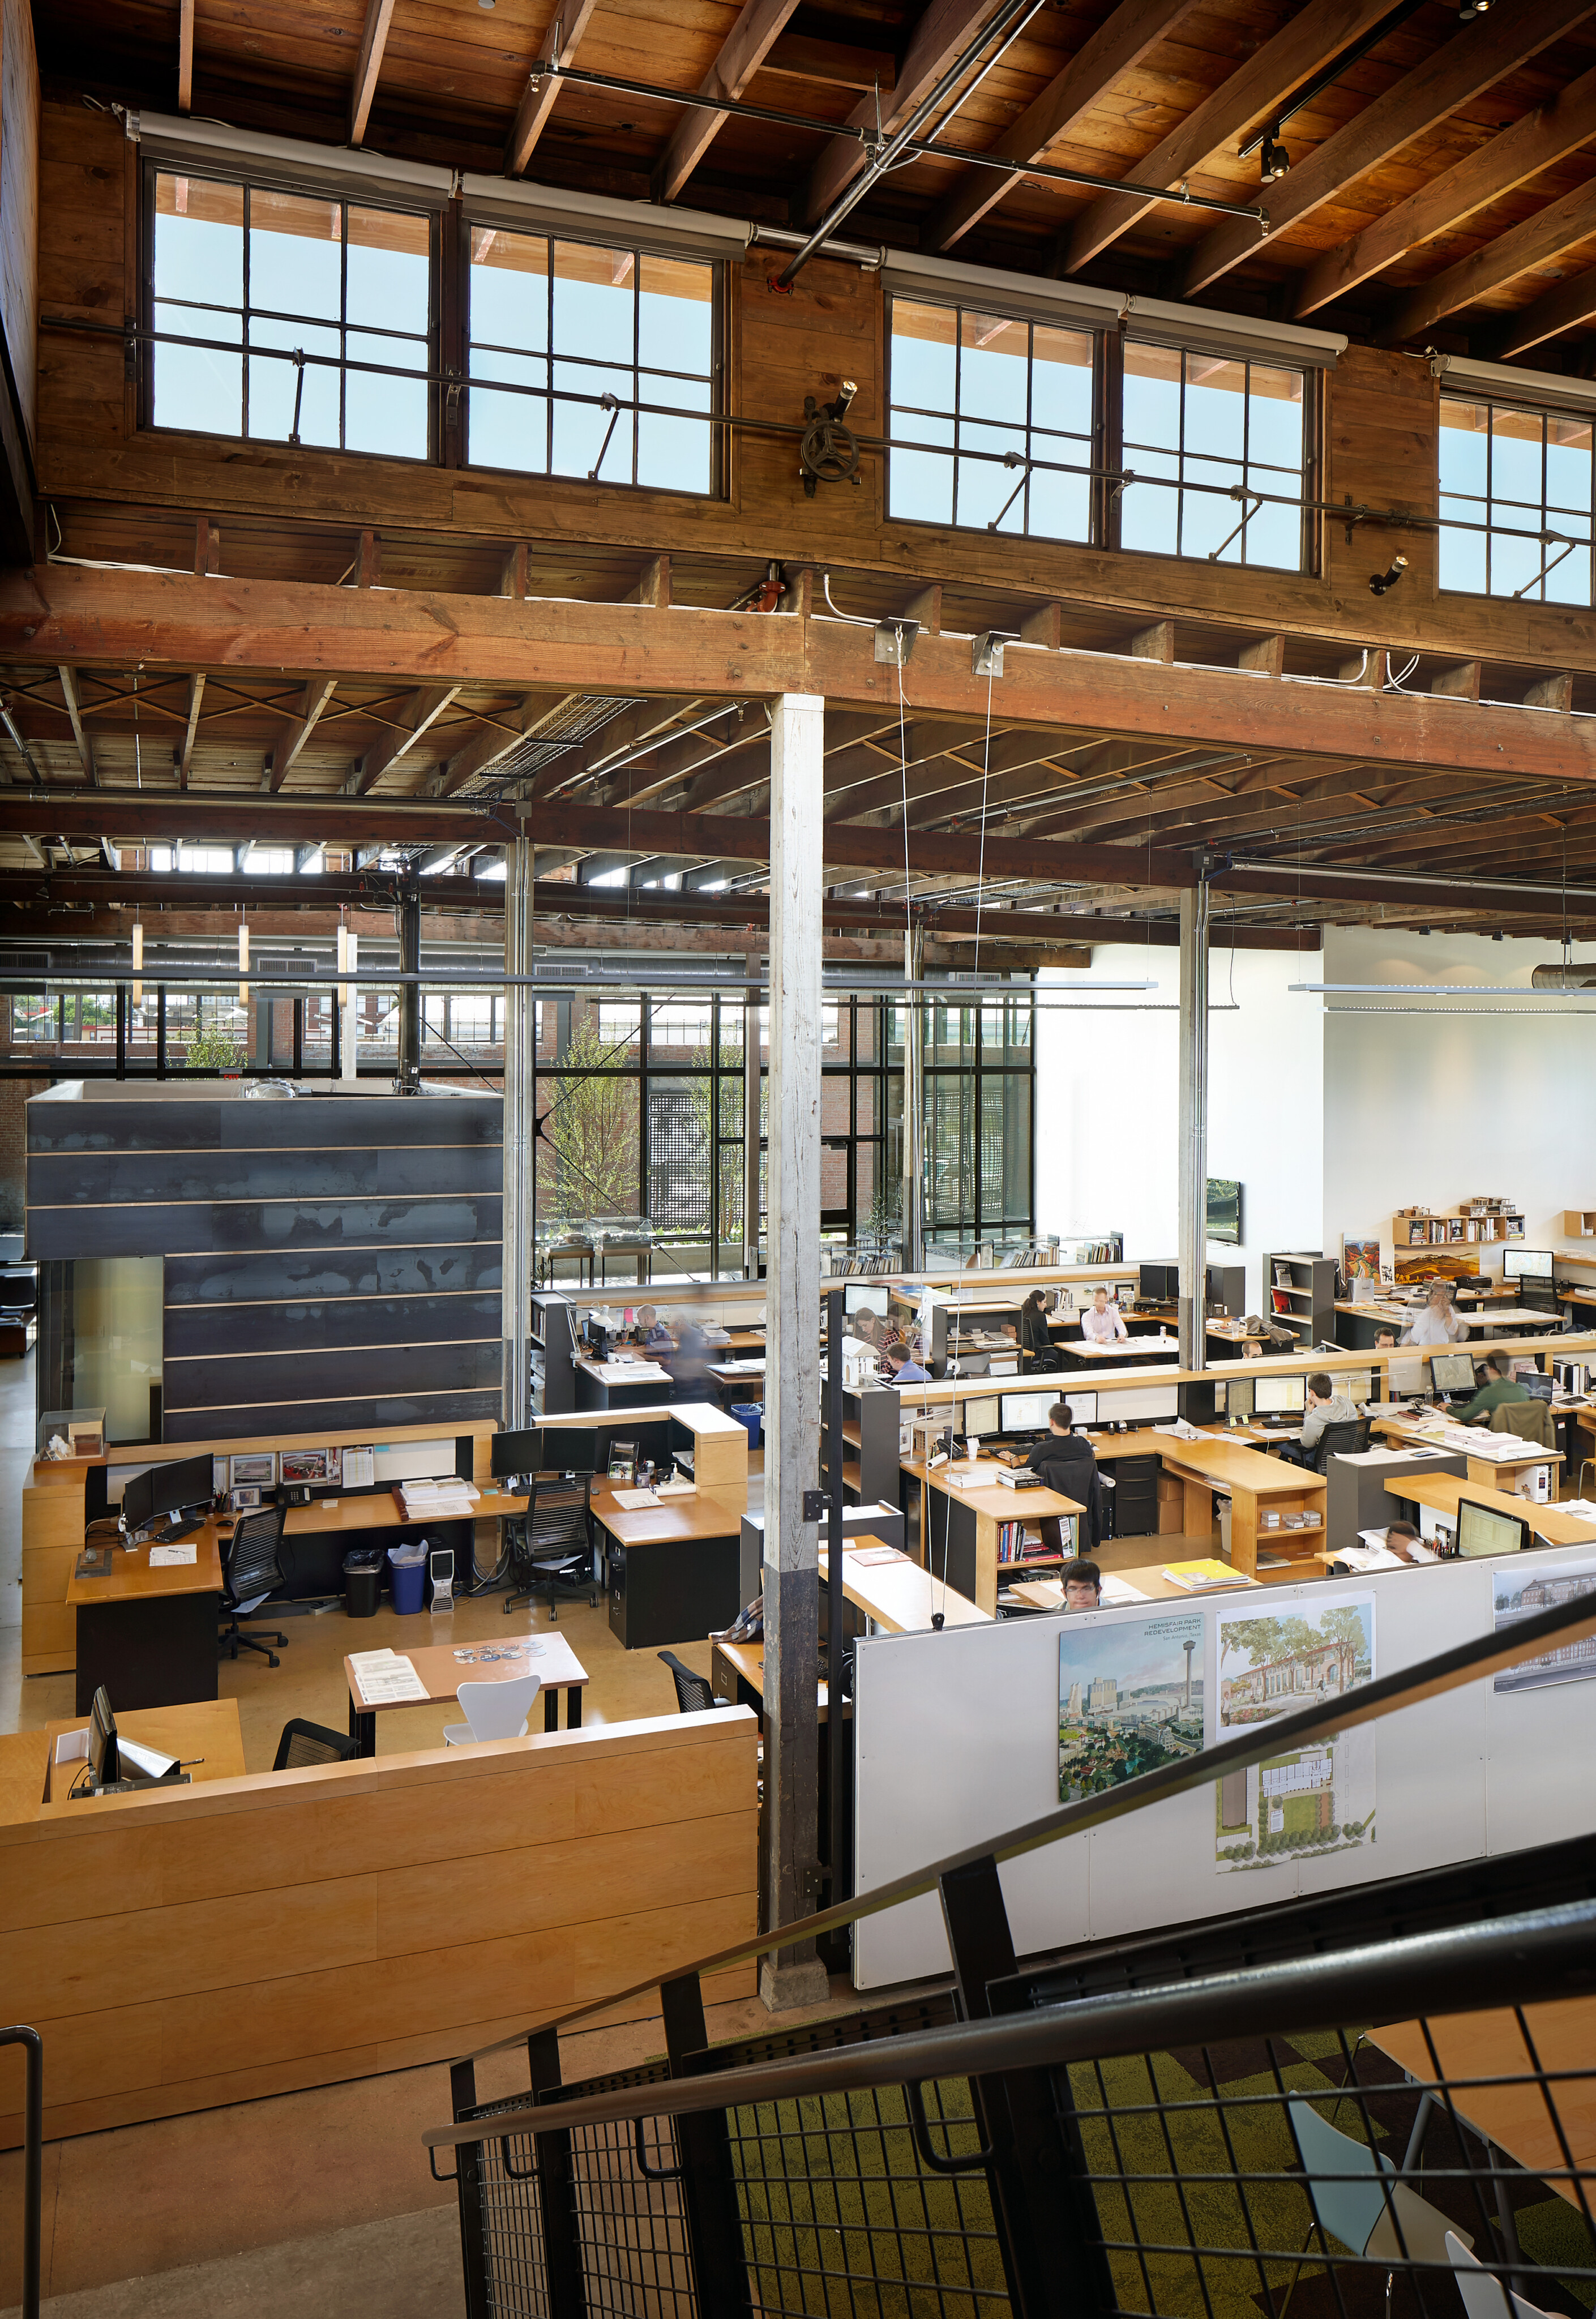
x=1497 y=1388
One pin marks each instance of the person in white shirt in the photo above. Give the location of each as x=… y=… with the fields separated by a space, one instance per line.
x=1103 y=1323
x=1438 y=1324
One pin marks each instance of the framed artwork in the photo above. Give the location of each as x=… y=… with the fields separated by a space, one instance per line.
x=258 y=1467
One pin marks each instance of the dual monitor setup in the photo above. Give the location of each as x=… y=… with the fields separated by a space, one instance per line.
x=1005 y=1413
x=182 y=1491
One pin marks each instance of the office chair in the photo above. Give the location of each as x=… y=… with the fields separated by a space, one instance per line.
x=250 y=1571
x=493 y=1711
x=551 y=1547
x=694 y=1694
x=312 y=1743
x=1347 y=1439
x=1531 y=1421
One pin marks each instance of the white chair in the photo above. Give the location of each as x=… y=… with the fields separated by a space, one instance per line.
x=1356 y=2211
x=493 y=1711
x=1484 y=2295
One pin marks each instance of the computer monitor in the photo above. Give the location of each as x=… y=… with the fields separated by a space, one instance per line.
x=514 y=1453
x=1239 y=1397
x=1527 y=1264
x=982 y=1417
x=188 y=1481
x=1157 y=1283
x=1482 y=1529
x=1279 y=1396
x=1141 y=1404
x=105 y=1765
x=138 y=1499
x=1082 y=1407
x=864 y=1299
x=1026 y=1412
x=1407 y=1376
x=1452 y=1372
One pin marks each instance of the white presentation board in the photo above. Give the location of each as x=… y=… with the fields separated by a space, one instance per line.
x=956 y=1739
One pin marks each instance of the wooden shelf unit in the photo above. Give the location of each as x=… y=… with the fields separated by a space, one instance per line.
x=1310 y=1293
x=1447 y=1241
x=1579 y=1223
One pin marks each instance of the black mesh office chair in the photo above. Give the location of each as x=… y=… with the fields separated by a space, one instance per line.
x=1349 y=1439
x=551 y=1546
x=250 y=1571
x=312 y=1743
x=695 y=1693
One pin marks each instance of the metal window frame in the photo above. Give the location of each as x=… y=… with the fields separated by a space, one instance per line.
x=1307 y=473
x=353 y=193
x=1544 y=414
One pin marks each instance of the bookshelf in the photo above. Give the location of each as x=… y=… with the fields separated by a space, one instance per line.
x=1446 y=1240
x=1579 y=1223
x=1299 y=1295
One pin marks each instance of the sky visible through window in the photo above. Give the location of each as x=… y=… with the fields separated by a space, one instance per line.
x=1507 y=477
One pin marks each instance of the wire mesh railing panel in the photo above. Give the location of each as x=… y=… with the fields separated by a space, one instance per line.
x=841 y=2220
x=633 y=2227
x=1431 y=2168
x=512 y=2229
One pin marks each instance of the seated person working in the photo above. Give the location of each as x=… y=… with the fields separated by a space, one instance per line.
x=652 y=1330
x=1326 y=1406
x=1103 y=1322
x=903 y=1369
x=1498 y=1387
x=1068 y=1462
x=1035 y=1344
x=1083 y=1586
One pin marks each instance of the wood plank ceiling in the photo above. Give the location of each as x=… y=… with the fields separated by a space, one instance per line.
x=1442 y=186
x=1441 y=193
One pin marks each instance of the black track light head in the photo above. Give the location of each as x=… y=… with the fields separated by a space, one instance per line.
x=1273 y=160
x=1382 y=582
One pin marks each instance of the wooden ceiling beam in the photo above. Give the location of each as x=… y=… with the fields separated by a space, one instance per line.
x=297 y=729
x=85 y=753
x=1473 y=61
x=558 y=47
x=1504 y=162
x=946 y=28
x=491 y=745
x=185 y=9
x=1569 y=305
x=421 y=712
x=743 y=51
x=1303 y=46
x=1538 y=241
x=183 y=753
x=1116 y=47
x=368 y=65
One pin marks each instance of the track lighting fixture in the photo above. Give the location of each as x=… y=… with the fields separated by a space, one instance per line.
x=1273 y=160
x=1382 y=582
x=1469 y=9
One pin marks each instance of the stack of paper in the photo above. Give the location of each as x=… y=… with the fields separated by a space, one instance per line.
x=1194 y=1576
x=631 y=1373
x=449 y=1499
x=168 y=1557
x=386 y=1678
x=1115 y=1591
x=632 y=1501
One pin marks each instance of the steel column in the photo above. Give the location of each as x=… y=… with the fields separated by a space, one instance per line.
x=1194 y=1120
x=913 y=1104
x=793 y=1976
x=520 y=1020
x=750 y=1127
x=410 y=993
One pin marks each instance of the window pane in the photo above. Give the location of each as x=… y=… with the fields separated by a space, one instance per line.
x=296 y=254
x=1012 y=404
x=1226 y=441
x=1515 y=502
x=389 y=270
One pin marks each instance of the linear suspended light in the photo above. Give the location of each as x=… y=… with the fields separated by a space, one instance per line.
x=1431 y=989
x=243 y=962
x=138 y=958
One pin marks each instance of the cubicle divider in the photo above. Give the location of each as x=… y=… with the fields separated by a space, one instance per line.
x=979 y=1728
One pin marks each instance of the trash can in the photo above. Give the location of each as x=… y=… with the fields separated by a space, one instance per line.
x=750 y=1414
x=407 y=1570
x=363 y=1580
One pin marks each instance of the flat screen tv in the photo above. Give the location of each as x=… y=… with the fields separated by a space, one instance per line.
x=1224 y=1210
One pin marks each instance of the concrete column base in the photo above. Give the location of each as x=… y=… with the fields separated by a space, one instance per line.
x=783 y=1987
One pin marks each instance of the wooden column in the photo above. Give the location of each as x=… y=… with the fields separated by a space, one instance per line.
x=520 y=1020
x=1194 y=1122
x=793 y=1976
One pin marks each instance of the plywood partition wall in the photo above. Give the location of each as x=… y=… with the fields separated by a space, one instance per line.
x=255 y=1935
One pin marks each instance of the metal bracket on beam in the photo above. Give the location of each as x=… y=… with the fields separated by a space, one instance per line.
x=895 y=641
x=986 y=651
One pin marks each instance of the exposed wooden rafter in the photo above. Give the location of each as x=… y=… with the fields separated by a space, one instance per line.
x=185 y=9
x=1539 y=240
x=946 y=27
x=742 y=52
x=368 y=65
x=558 y=47
x=421 y=711
x=69 y=677
x=183 y=755
x=298 y=729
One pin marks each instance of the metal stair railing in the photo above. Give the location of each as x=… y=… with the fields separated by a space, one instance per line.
x=32 y=2045
x=1139 y=2151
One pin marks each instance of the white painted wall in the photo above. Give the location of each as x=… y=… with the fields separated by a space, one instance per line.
x=1106 y=1096
x=1435 y=1107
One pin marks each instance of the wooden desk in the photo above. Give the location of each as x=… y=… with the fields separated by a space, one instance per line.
x=671 y=1571
x=384 y=1510
x=899 y=1596
x=149 y=1635
x=1160 y=1350
x=737 y=1672
x=970 y=1555
x=442 y=1667
x=1048 y=1593
x=1441 y=1492
x=1252 y=1482
x=600 y=1386
x=1515 y=2118
x=1490 y=1471
x=204 y=1735
x=719 y=1443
